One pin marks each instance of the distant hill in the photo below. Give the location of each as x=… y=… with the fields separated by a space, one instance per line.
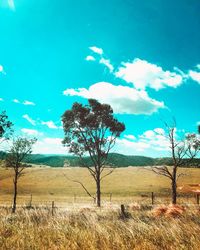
x=114 y=159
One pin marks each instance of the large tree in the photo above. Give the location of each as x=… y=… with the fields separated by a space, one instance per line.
x=92 y=130
x=20 y=149
x=182 y=151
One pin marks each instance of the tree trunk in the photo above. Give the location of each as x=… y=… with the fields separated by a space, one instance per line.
x=98 y=186
x=174 y=187
x=15 y=194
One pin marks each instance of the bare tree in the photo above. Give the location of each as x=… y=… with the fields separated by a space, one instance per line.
x=92 y=129
x=182 y=153
x=20 y=149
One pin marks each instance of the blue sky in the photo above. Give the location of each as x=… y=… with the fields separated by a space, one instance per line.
x=141 y=57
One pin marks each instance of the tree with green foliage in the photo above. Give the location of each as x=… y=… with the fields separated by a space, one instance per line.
x=19 y=151
x=5 y=127
x=92 y=130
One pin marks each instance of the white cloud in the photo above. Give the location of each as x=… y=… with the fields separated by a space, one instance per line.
x=157 y=139
x=128 y=147
x=16 y=101
x=29 y=119
x=32 y=132
x=50 y=124
x=2 y=70
x=123 y=100
x=107 y=63
x=90 y=58
x=1 y=99
x=96 y=50
x=198 y=66
x=29 y=103
x=194 y=75
x=49 y=146
x=148 y=143
x=143 y=74
x=130 y=137
x=11 y=4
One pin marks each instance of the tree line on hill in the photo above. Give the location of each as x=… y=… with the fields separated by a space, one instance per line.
x=114 y=160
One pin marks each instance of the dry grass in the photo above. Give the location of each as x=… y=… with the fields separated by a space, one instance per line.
x=90 y=229
x=125 y=184
x=171 y=210
x=81 y=226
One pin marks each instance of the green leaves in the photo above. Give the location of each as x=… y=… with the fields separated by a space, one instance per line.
x=91 y=129
x=5 y=126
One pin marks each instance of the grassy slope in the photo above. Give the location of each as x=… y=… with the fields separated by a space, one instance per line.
x=48 y=184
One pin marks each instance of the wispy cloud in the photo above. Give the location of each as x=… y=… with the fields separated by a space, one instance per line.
x=107 y=63
x=130 y=137
x=50 y=124
x=194 y=75
x=96 y=50
x=100 y=58
x=16 y=101
x=29 y=103
x=11 y=4
x=124 y=100
x=1 y=99
x=2 y=71
x=32 y=132
x=29 y=119
x=50 y=145
x=148 y=142
x=90 y=58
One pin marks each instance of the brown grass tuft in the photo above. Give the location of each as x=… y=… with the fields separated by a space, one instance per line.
x=134 y=206
x=174 y=211
x=160 y=211
x=169 y=211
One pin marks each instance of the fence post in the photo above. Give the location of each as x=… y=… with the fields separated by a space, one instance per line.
x=110 y=197
x=123 y=210
x=197 y=197
x=152 y=198
x=52 y=208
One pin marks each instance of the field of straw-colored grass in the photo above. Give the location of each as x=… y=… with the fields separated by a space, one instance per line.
x=91 y=228
x=125 y=184
x=76 y=224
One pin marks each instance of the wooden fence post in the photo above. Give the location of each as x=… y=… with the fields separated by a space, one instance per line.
x=197 y=197
x=152 y=198
x=52 y=208
x=123 y=210
x=110 y=197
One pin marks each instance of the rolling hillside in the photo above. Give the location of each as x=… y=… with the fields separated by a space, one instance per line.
x=114 y=159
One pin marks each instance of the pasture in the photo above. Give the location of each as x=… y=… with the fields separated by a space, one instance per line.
x=123 y=185
x=76 y=224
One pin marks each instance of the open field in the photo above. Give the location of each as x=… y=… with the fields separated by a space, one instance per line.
x=125 y=184
x=77 y=224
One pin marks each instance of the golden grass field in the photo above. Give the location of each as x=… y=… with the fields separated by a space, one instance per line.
x=48 y=184
x=79 y=225
x=94 y=229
